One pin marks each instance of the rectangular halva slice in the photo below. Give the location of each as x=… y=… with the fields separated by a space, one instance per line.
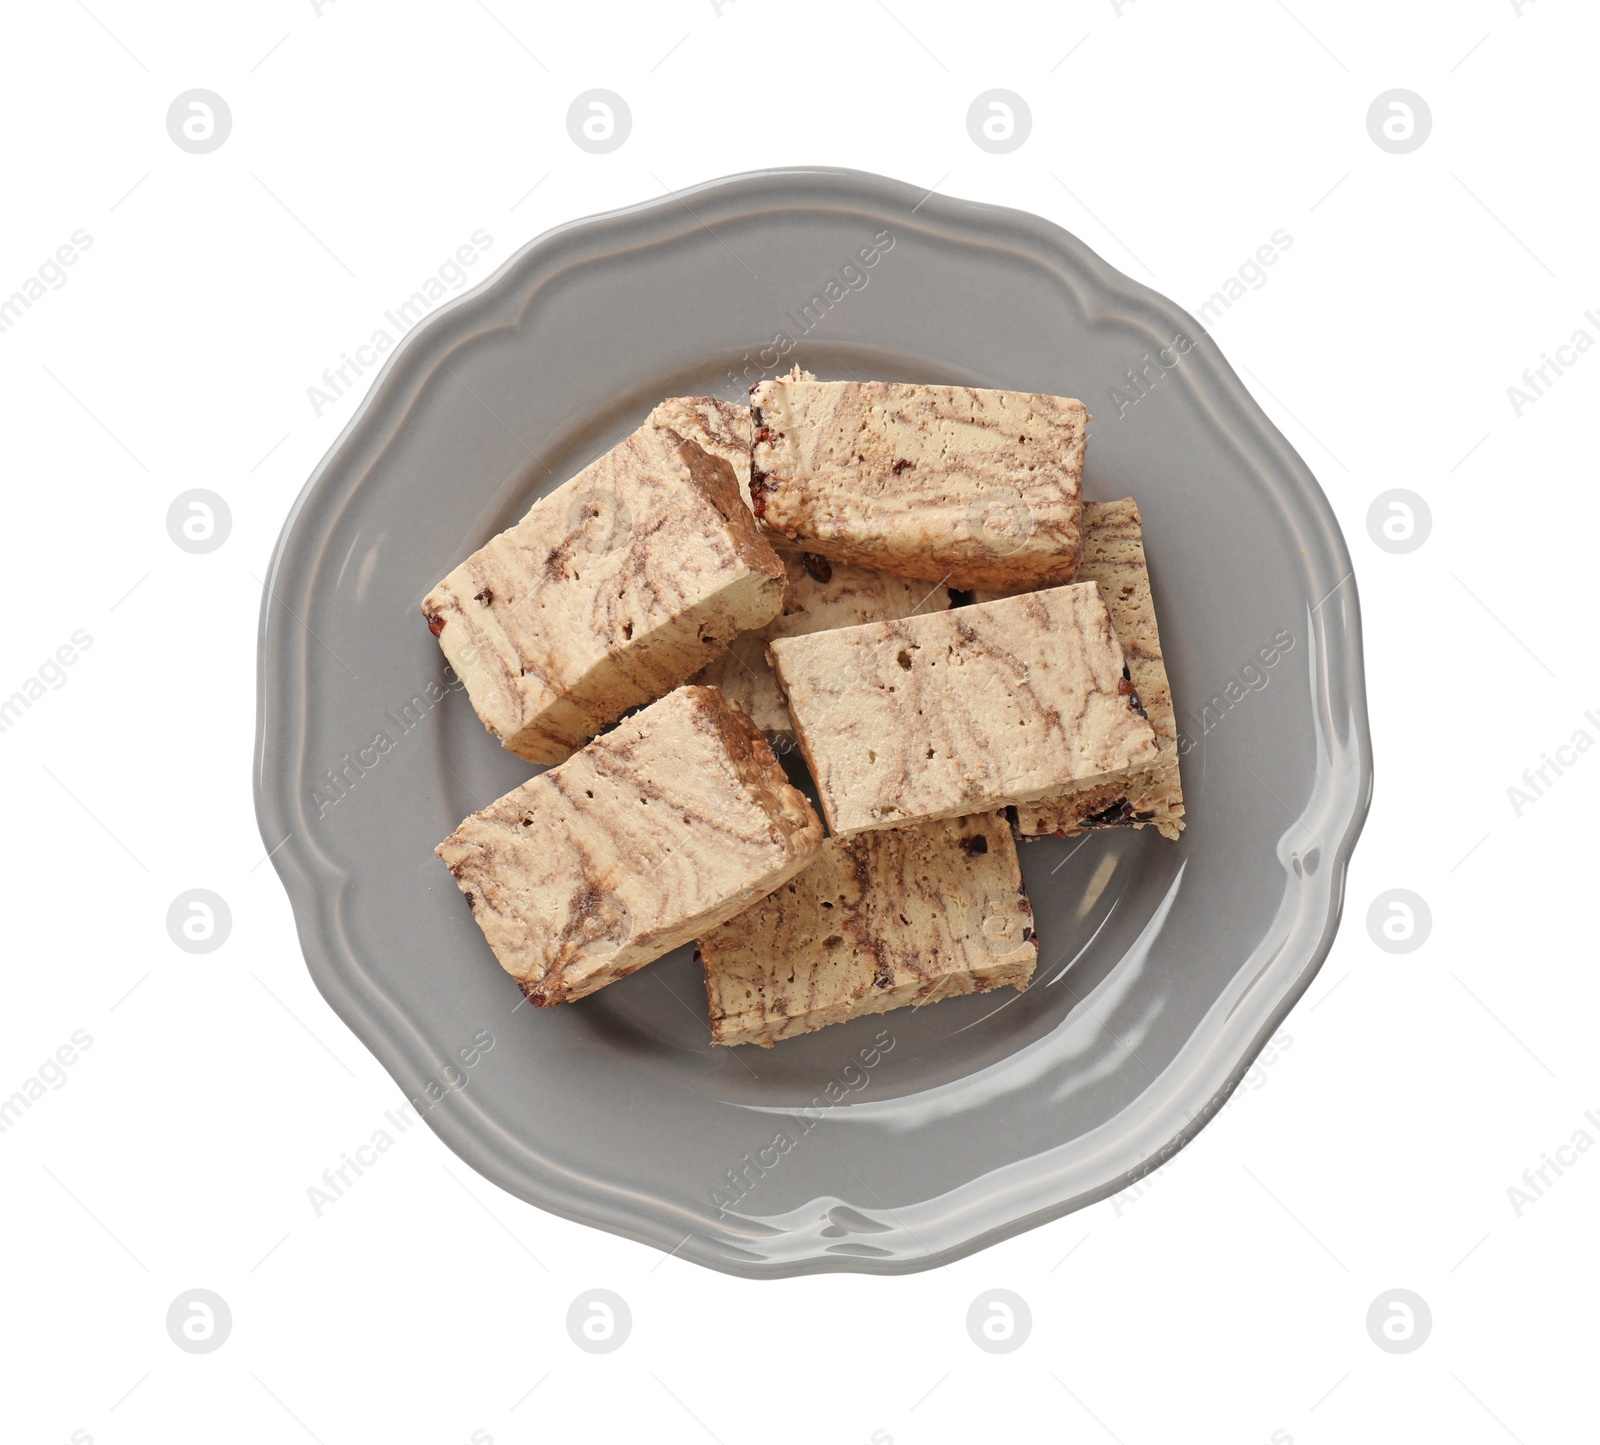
x=719 y=427
x=1150 y=793
x=898 y=917
x=963 y=711
x=974 y=488
x=654 y=833
x=821 y=595
x=614 y=589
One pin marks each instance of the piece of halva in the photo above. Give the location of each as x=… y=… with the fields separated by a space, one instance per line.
x=821 y=595
x=895 y=918
x=1148 y=793
x=974 y=488
x=963 y=711
x=719 y=427
x=656 y=832
x=614 y=589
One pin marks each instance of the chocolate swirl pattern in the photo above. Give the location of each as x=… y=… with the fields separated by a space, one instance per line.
x=615 y=588
x=963 y=711
x=880 y=921
x=664 y=828
x=1150 y=794
x=821 y=595
x=975 y=488
x=720 y=428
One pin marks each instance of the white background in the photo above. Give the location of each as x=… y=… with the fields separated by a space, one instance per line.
x=1227 y=1299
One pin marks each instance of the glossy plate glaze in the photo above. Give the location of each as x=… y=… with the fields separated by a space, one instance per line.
x=897 y=1142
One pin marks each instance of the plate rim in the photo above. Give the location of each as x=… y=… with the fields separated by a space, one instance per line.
x=306 y=872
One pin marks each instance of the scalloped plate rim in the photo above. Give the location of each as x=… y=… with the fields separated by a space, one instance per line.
x=305 y=871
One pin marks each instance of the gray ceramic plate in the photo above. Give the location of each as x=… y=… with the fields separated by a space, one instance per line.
x=897 y=1142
